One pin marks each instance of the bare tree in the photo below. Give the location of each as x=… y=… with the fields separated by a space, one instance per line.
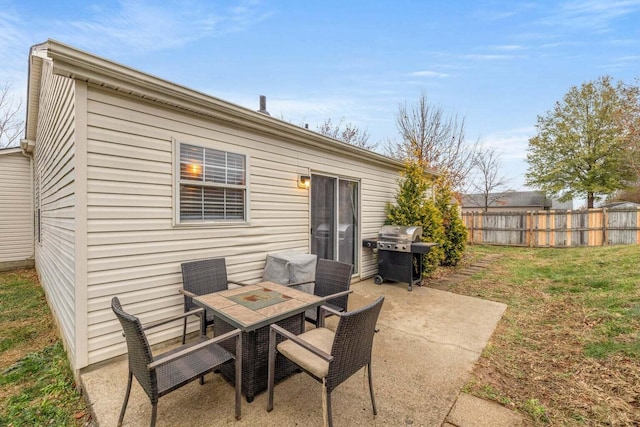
x=346 y=132
x=11 y=126
x=488 y=181
x=434 y=140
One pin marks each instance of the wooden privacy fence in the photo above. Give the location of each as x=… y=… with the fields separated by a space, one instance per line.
x=592 y=227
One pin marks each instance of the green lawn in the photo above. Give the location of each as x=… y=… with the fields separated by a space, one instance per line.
x=36 y=386
x=567 y=351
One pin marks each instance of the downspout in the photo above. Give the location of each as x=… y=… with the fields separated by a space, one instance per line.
x=28 y=145
x=27 y=148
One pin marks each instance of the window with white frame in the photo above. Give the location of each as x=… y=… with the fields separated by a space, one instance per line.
x=212 y=185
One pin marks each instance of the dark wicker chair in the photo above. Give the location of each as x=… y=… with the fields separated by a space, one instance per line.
x=329 y=357
x=202 y=277
x=161 y=374
x=331 y=277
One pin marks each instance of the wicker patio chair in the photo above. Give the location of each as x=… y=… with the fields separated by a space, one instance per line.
x=331 y=277
x=329 y=357
x=163 y=373
x=202 y=277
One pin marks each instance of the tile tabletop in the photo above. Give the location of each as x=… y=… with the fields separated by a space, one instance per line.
x=252 y=306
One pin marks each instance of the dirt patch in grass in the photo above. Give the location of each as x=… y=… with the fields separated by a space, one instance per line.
x=565 y=351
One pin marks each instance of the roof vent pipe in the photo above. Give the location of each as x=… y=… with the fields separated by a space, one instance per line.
x=263 y=105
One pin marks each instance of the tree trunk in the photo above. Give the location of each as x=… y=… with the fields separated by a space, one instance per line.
x=590 y=200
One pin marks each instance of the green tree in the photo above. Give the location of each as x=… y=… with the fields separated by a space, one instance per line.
x=413 y=207
x=582 y=145
x=455 y=233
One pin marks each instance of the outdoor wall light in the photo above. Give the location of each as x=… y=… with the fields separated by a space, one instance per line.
x=304 y=181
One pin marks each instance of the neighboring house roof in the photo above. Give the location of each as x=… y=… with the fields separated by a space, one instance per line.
x=620 y=205
x=74 y=63
x=514 y=199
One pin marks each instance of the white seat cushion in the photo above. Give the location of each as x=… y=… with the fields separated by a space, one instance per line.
x=321 y=338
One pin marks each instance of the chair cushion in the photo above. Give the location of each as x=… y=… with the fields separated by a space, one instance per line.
x=321 y=338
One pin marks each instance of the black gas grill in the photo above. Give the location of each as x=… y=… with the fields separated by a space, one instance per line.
x=399 y=254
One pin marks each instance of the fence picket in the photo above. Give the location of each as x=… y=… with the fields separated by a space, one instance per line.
x=592 y=227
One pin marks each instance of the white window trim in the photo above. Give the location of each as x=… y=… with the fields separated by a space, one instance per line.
x=175 y=182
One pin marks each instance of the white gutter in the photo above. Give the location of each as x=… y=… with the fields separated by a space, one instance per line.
x=76 y=64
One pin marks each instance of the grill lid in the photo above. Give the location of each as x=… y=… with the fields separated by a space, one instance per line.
x=400 y=233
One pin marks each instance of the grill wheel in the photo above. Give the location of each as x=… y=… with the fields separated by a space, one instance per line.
x=377 y=279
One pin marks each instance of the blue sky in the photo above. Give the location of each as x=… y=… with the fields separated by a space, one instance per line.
x=497 y=63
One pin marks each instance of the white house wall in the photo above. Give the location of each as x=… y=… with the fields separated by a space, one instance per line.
x=134 y=250
x=16 y=210
x=55 y=170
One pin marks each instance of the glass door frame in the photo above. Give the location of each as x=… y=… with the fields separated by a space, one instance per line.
x=335 y=239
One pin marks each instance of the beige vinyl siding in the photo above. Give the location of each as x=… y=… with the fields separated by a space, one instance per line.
x=134 y=250
x=377 y=190
x=55 y=169
x=16 y=210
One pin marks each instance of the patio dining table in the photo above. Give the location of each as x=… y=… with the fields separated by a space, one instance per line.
x=252 y=308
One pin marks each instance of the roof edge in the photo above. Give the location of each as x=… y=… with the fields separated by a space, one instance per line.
x=10 y=150
x=77 y=64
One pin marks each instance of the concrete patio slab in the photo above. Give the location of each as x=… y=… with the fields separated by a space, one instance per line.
x=428 y=343
x=473 y=411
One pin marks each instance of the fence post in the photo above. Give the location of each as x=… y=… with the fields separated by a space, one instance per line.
x=605 y=231
x=569 y=225
x=534 y=236
x=527 y=222
x=637 y=226
x=548 y=224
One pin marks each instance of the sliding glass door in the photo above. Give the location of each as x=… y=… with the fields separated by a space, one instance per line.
x=334 y=219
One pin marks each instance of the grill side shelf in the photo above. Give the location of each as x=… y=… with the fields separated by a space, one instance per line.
x=422 y=247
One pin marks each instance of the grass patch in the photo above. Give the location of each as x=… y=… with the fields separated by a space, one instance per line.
x=36 y=385
x=567 y=350
x=486 y=391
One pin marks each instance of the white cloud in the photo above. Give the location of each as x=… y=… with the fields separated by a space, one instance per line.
x=312 y=107
x=512 y=143
x=508 y=47
x=505 y=10
x=629 y=58
x=149 y=26
x=428 y=73
x=622 y=62
x=592 y=15
x=488 y=57
x=296 y=110
x=12 y=57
